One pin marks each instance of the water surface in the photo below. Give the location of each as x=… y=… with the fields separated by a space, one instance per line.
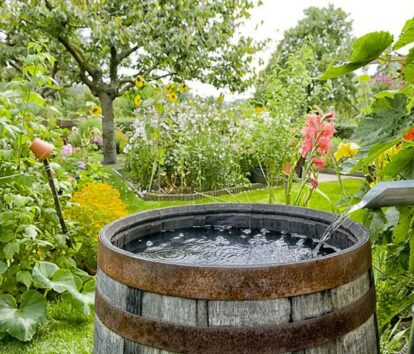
x=226 y=245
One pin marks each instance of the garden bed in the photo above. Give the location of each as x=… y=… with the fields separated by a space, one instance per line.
x=198 y=195
x=154 y=196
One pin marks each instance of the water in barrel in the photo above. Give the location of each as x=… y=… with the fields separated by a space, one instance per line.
x=226 y=245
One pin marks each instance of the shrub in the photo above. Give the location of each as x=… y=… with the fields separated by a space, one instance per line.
x=34 y=254
x=94 y=206
x=344 y=131
x=193 y=146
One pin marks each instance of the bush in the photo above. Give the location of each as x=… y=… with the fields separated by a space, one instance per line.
x=195 y=146
x=344 y=131
x=94 y=206
x=34 y=254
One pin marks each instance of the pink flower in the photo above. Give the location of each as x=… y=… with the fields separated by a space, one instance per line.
x=318 y=162
x=318 y=132
x=81 y=165
x=306 y=147
x=67 y=150
x=330 y=115
x=97 y=139
x=314 y=183
x=324 y=144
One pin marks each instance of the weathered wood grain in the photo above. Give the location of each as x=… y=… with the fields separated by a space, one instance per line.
x=248 y=313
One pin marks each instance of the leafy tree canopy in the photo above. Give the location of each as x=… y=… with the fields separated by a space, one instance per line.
x=326 y=32
x=94 y=40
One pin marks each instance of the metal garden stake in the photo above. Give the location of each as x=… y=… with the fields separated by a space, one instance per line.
x=42 y=150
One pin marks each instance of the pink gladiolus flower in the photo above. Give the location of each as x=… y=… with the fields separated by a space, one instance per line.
x=318 y=133
x=314 y=183
x=318 y=162
x=330 y=115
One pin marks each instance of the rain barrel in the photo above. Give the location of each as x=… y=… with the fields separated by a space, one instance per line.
x=321 y=305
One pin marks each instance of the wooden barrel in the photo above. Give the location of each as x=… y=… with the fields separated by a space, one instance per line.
x=324 y=305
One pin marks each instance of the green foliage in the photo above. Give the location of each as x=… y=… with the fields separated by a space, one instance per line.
x=191 y=40
x=365 y=49
x=29 y=228
x=21 y=321
x=344 y=131
x=407 y=35
x=319 y=39
x=286 y=92
x=387 y=153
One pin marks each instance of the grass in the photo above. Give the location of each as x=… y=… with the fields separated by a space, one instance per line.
x=67 y=331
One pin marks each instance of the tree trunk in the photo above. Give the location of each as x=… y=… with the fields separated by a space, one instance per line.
x=108 y=128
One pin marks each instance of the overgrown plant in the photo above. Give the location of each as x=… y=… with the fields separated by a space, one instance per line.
x=34 y=256
x=386 y=137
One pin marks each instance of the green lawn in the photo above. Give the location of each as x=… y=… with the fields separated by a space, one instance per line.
x=67 y=331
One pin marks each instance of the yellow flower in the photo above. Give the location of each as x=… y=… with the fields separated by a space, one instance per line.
x=346 y=150
x=183 y=87
x=383 y=159
x=138 y=100
x=139 y=81
x=172 y=97
x=259 y=109
x=95 y=111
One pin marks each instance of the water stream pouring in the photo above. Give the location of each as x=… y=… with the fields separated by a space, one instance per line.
x=382 y=195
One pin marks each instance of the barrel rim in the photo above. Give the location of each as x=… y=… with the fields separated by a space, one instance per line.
x=233 y=282
x=362 y=233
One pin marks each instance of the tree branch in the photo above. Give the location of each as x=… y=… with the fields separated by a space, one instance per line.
x=125 y=88
x=88 y=82
x=83 y=64
x=163 y=75
x=113 y=66
x=126 y=53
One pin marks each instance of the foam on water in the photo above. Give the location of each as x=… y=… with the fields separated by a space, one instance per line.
x=226 y=245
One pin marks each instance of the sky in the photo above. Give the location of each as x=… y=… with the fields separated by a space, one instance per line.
x=278 y=16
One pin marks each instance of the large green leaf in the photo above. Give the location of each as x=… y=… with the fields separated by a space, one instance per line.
x=408 y=68
x=48 y=276
x=24 y=277
x=401 y=231
x=85 y=297
x=406 y=36
x=22 y=321
x=402 y=164
x=388 y=121
x=3 y=267
x=365 y=49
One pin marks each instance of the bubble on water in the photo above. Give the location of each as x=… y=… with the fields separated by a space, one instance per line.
x=247 y=231
x=149 y=243
x=264 y=231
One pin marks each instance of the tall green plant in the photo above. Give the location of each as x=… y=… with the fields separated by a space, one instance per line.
x=386 y=137
x=34 y=256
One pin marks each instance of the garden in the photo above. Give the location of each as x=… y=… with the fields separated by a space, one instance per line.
x=99 y=120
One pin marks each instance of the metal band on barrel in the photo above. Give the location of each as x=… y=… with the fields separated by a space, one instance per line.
x=234 y=283
x=224 y=339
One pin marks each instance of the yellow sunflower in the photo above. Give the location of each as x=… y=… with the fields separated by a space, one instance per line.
x=139 y=81
x=183 y=87
x=172 y=97
x=138 y=100
x=95 y=111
